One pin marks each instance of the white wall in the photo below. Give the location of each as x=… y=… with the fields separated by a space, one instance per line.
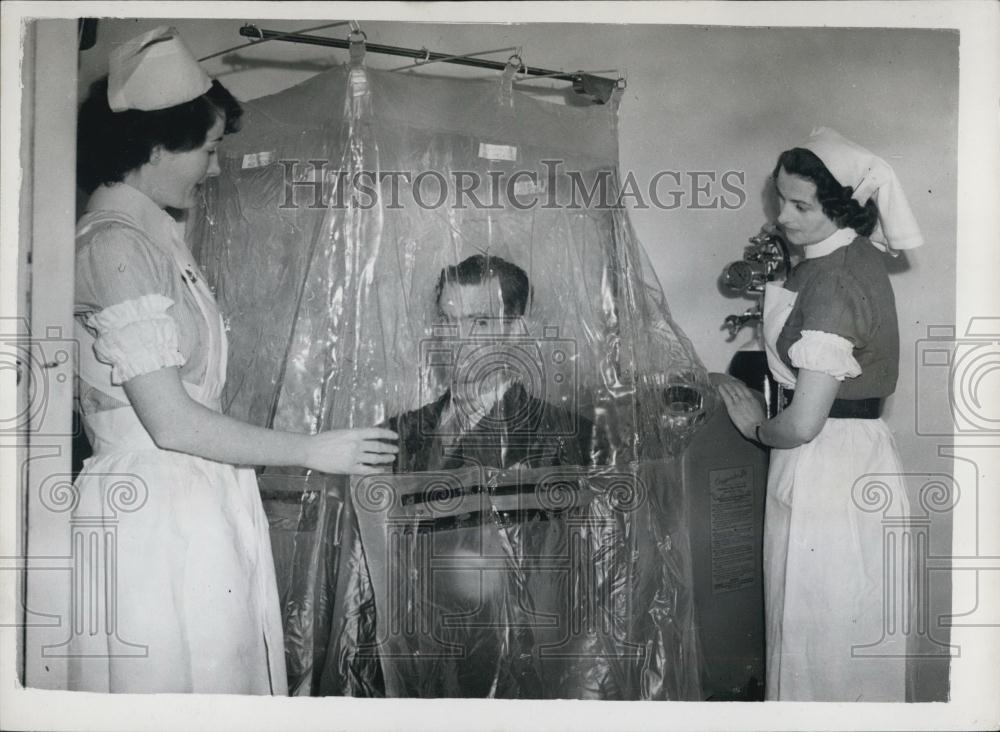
x=709 y=99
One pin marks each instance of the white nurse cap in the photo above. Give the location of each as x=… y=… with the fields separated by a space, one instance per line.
x=870 y=177
x=154 y=71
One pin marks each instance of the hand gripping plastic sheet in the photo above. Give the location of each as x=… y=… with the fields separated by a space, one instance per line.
x=446 y=257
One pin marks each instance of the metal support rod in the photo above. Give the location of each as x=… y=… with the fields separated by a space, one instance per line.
x=579 y=79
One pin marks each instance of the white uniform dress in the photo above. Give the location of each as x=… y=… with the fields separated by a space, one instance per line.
x=192 y=577
x=824 y=559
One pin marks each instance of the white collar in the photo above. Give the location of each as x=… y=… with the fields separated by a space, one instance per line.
x=836 y=240
x=139 y=207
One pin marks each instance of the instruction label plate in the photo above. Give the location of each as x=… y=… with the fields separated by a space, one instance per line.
x=734 y=559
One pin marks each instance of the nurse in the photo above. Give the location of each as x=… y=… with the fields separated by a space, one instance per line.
x=191 y=592
x=832 y=340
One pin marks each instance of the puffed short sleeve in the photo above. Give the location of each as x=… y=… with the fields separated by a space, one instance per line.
x=836 y=320
x=826 y=353
x=125 y=293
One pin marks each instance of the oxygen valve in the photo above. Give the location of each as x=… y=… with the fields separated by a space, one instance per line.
x=735 y=323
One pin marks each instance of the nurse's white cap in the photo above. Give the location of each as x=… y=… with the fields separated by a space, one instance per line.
x=154 y=71
x=871 y=178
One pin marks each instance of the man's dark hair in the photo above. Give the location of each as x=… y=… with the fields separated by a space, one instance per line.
x=480 y=269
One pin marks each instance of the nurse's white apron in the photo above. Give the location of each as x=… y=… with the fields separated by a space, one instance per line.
x=823 y=555
x=191 y=593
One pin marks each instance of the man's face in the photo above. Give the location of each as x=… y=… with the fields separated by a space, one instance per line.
x=477 y=313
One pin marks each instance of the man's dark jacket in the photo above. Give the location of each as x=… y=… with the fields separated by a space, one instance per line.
x=518 y=430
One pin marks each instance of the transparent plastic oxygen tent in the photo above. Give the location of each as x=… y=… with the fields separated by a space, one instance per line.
x=542 y=552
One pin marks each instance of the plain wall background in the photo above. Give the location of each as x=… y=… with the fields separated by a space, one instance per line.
x=712 y=99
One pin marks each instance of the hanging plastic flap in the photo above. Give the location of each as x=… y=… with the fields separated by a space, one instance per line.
x=527 y=583
x=261 y=219
x=330 y=259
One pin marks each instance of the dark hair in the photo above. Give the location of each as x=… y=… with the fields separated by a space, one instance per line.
x=835 y=199
x=110 y=144
x=479 y=269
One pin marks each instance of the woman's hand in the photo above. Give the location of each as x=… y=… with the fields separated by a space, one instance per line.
x=744 y=409
x=798 y=423
x=176 y=422
x=355 y=452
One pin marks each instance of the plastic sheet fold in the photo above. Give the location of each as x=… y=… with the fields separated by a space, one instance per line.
x=531 y=540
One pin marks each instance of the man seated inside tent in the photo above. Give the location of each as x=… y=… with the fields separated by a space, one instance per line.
x=492 y=414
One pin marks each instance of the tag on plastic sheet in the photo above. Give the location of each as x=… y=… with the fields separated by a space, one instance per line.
x=257 y=160
x=358 y=82
x=491 y=151
x=530 y=186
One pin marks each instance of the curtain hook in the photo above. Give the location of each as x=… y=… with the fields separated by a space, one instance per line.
x=617 y=92
x=507 y=80
x=357 y=39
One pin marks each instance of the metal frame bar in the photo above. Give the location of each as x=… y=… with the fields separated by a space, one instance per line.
x=598 y=87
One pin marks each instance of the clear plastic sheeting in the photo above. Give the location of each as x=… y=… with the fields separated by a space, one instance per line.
x=526 y=583
x=532 y=538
